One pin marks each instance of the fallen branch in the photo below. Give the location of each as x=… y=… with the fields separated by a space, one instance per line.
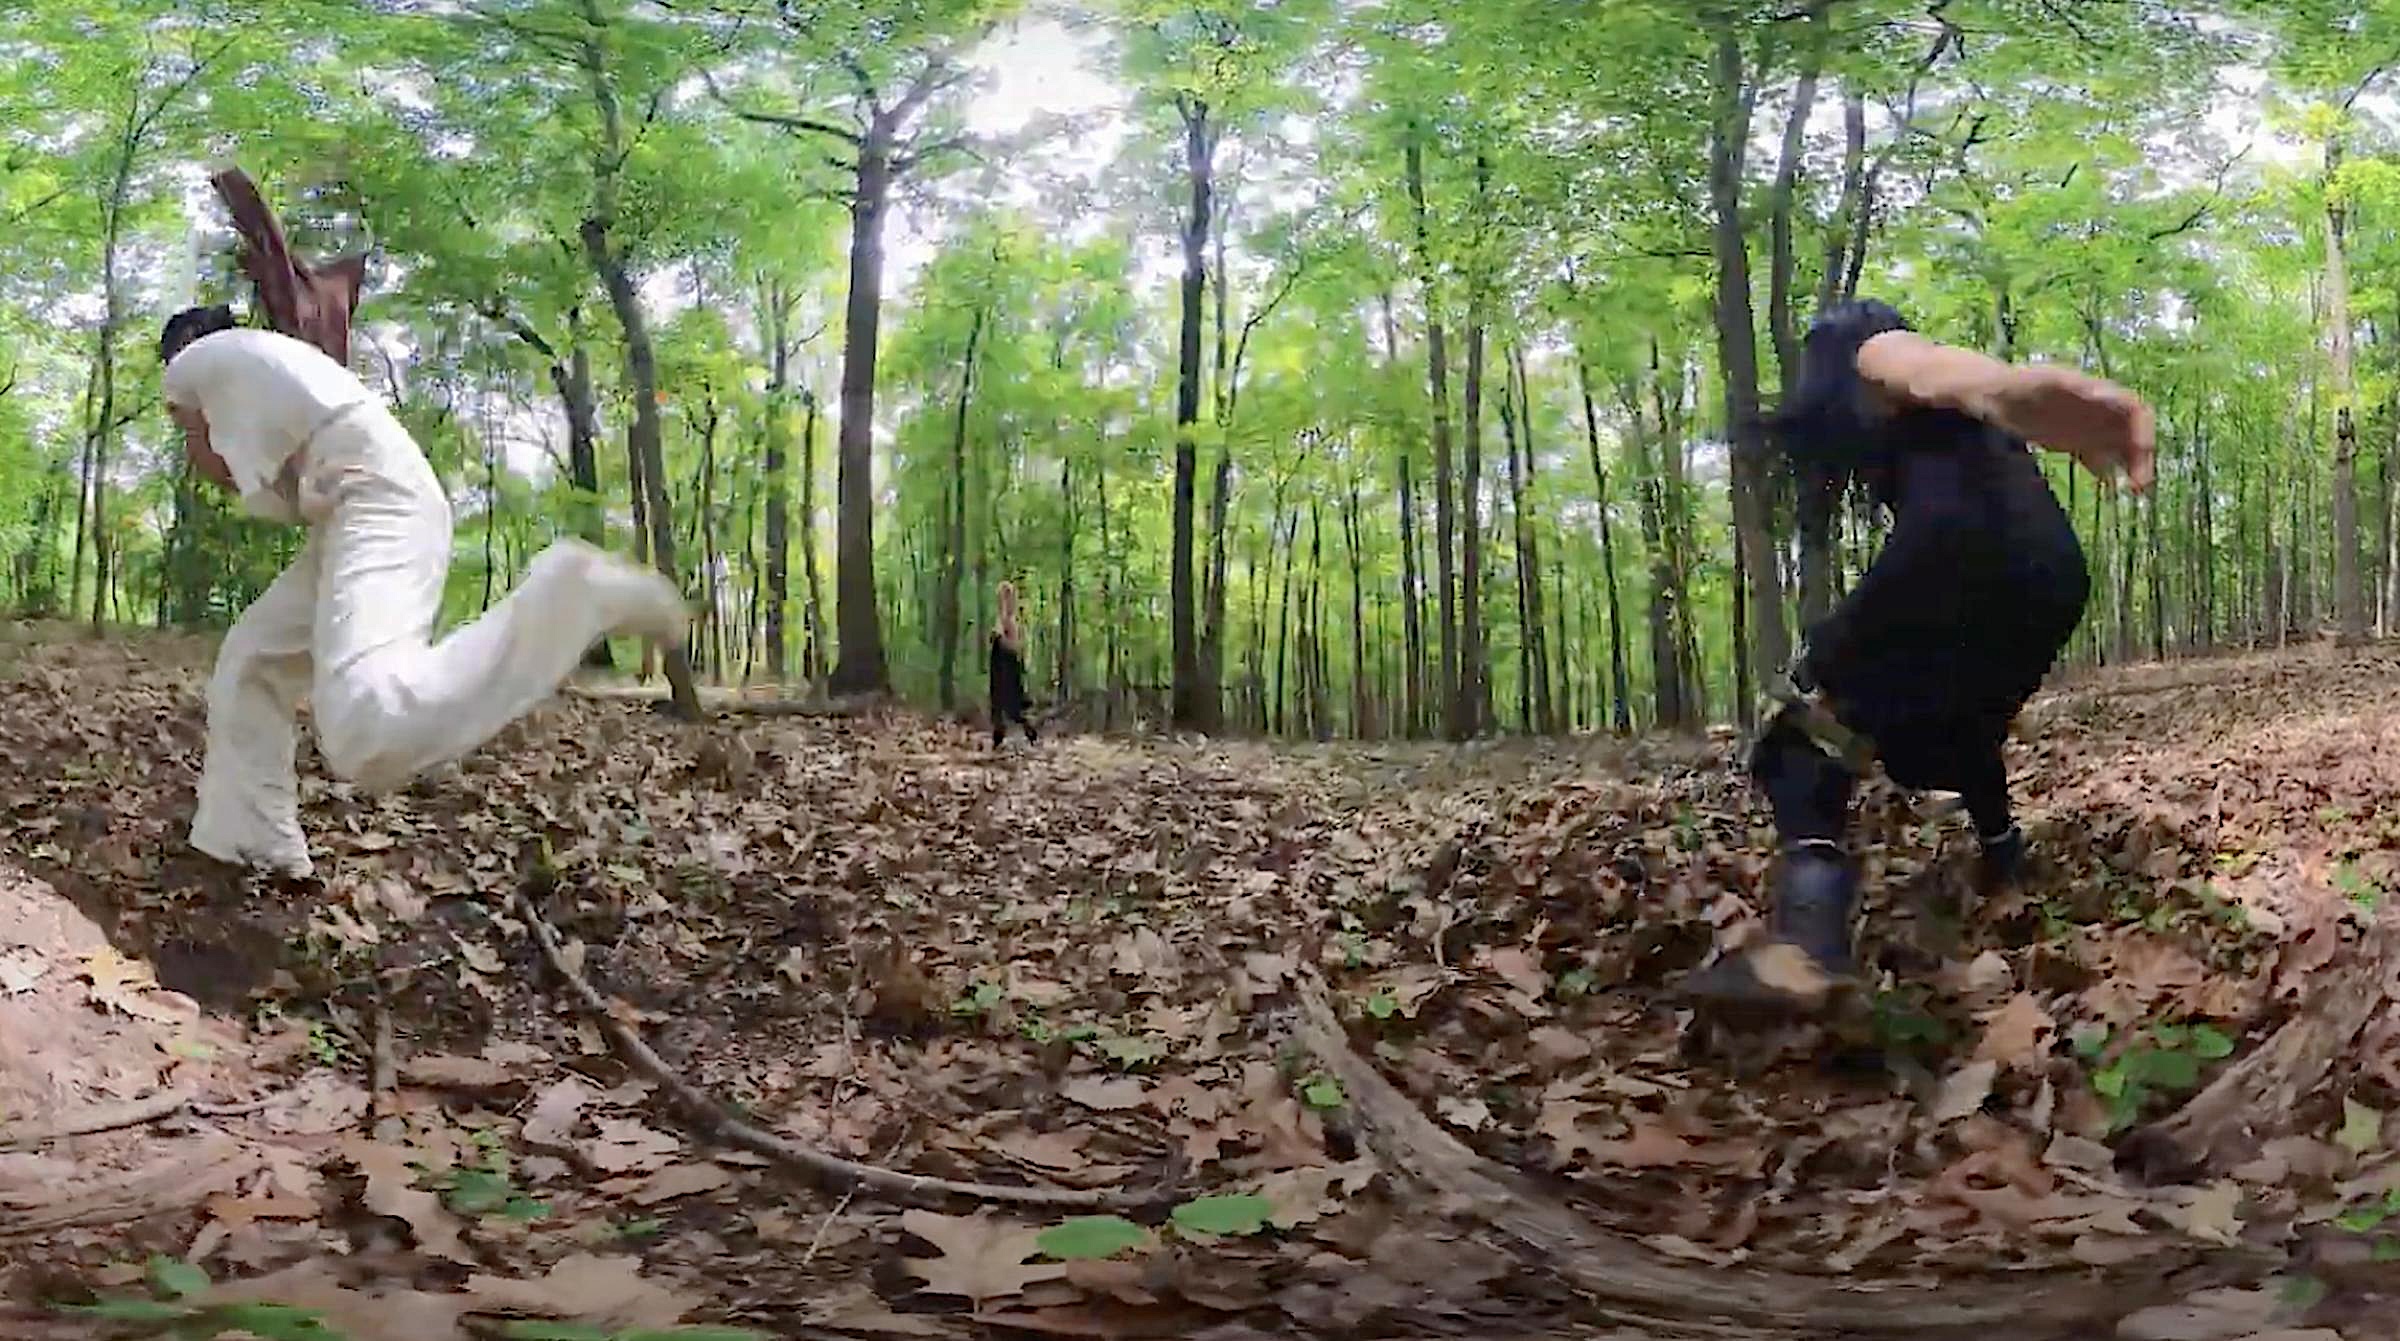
x=1639 y=1288
x=727 y=703
x=839 y=1173
x=2227 y=1122
x=136 y=1113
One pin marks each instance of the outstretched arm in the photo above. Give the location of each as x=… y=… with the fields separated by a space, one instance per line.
x=2099 y=423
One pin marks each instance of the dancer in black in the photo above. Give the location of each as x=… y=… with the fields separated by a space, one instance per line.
x=1925 y=664
x=1010 y=703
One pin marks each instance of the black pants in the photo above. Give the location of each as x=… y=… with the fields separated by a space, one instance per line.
x=1001 y=717
x=1809 y=790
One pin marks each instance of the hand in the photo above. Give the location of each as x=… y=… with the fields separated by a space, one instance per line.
x=2099 y=423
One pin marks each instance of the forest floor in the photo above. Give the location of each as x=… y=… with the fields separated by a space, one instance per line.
x=1359 y=1041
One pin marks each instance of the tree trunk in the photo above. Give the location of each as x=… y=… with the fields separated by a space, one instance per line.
x=1619 y=682
x=1445 y=521
x=1064 y=681
x=583 y=456
x=946 y=606
x=860 y=667
x=2349 y=592
x=1534 y=636
x=1283 y=622
x=1470 y=711
x=812 y=661
x=778 y=480
x=1737 y=351
x=1411 y=577
x=1816 y=538
x=1199 y=144
x=1847 y=214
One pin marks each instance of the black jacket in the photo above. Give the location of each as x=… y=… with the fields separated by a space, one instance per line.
x=1008 y=680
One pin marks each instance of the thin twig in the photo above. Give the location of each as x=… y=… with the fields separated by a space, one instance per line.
x=138 y=1113
x=850 y=1174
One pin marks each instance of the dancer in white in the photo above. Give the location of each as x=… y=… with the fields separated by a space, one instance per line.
x=350 y=623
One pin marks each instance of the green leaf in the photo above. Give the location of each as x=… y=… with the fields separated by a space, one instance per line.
x=1383 y=1005
x=524 y=1210
x=275 y=1322
x=2110 y=1082
x=552 y=1331
x=2360 y=1219
x=133 y=1310
x=2167 y=1070
x=1224 y=1217
x=1090 y=1238
x=2091 y=1040
x=478 y=1192
x=179 y=1279
x=2387 y=1250
x=2362 y=1128
x=1322 y=1092
x=2210 y=1043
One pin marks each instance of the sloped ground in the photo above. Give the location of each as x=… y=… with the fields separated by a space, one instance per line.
x=1088 y=966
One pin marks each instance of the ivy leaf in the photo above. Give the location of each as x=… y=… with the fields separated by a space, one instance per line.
x=2362 y=1128
x=2211 y=1044
x=1090 y=1238
x=1224 y=1217
x=1322 y=1092
x=181 y=1280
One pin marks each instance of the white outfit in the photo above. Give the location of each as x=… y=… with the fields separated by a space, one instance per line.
x=350 y=622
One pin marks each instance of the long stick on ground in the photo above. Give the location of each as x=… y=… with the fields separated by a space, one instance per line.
x=1636 y=1286
x=890 y=1184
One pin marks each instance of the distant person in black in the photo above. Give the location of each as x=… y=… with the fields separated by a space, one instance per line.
x=1009 y=701
x=1925 y=664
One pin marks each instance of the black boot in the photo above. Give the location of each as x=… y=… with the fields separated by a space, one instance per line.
x=2003 y=858
x=1806 y=956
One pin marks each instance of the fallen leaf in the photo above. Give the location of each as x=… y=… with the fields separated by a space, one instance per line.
x=626 y=1146
x=1651 y=1144
x=380 y=1311
x=1104 y=1095
x=2210 y=1213
x=680 y=1180
x=2210 y=1315
x=391 y=1190
x=456 y=1073
x=605 y=1291
x=20 y=970
x=1963 y=1092
x=2362 y=1128
x=1518 y=968
x=2017 y=1035
x=982 y=1258
x=1054 y=1150
x=1465 y=1114
x=857 y=1308
x=1558 y=1047
x=1107 y=1319
x=555 y=1112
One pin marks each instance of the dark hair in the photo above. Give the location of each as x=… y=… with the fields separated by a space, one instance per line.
x=1830 y=429
x=189 y=325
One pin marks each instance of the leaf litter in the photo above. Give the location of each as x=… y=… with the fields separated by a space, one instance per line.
x=1073 y=962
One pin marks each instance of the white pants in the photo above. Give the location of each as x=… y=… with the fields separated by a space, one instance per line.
x=350 y=625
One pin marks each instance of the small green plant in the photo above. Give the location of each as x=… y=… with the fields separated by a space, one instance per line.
x=981 y=999
x=1384 y=1004
x=486 y=1188
x=173 y=1311
x=2158 y=1059
x=2367 y=1216
x=2357 y=887
x=1223 y=1217
x=1321 y=1091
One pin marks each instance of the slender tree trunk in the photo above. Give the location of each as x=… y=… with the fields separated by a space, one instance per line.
x=946 y=609
x=583 y=456
x=2349 y=592
x=812 y=663
x=1470 y=710
x=1358 y=619
x=1411 y=573
x=1065 y=678
x=778 y=481
x=1199 y=163
x=1619 y=682
x=1445 y=521
x=1737 y=350
x=1852 y=207
x=1283 y=623
x=1534 y=638
x=1816 y=539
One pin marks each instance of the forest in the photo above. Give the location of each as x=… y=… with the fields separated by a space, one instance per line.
x=1374 y=406
x=1316 y=369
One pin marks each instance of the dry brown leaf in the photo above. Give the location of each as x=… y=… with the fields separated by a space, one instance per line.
x=1963 y=1093
x=457 y=1073
x=1056 y=1150
x=391 y=1190
x=2209 y=1213
x=857 y=1308
x=1105 y=1094
x=2017 y=1035
x=604 y=1291
x=982 y=1258
x=1107 y=1319
x=1464 y=1114
x=1554 y=1046
x=1650 y=1144
x=680 y=1180
x=378 y=1312
x=556 y=1111
x=2210 y=1315
x=626 y=1146
x=1520 y=969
